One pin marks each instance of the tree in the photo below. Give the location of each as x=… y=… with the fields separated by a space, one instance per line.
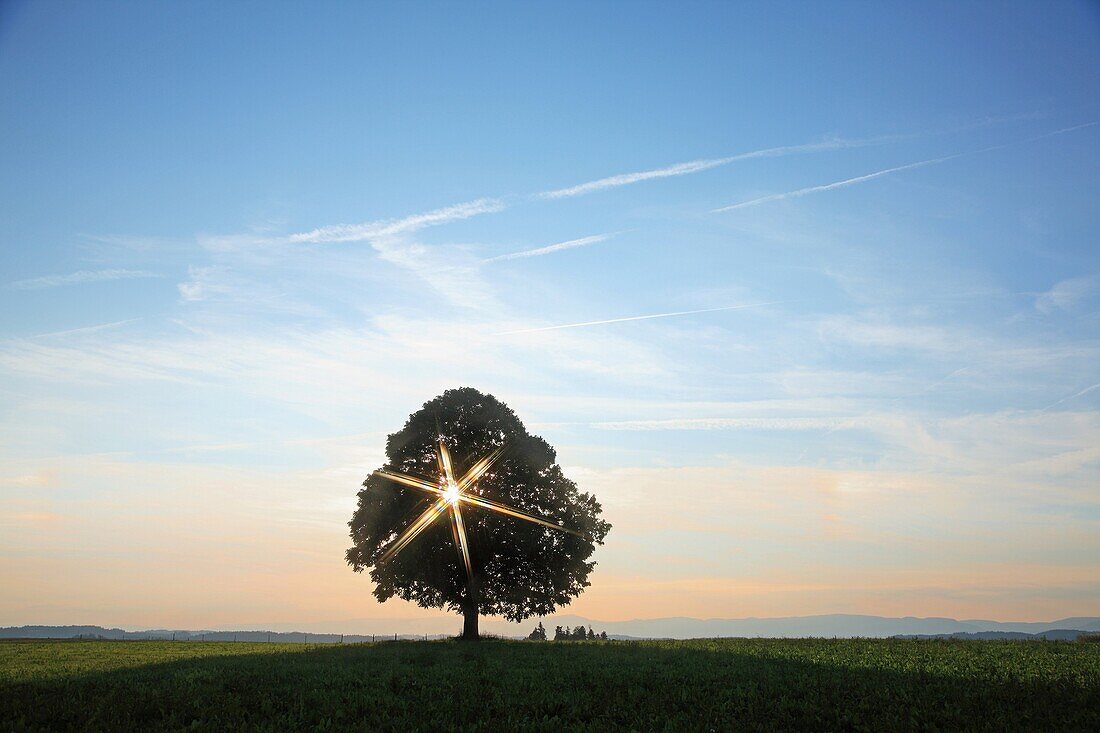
x=539 y=633
x=591 y=634
x=579 y=633
x=517 y=568
x=603 y=636
x=559 y=634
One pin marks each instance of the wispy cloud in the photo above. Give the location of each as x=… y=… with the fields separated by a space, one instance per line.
x=82 y=276
x=694 y=166
x=438 y=267
x=393 y=241
x=396 y=227
x=538 y=252
x=1065 y=295
x=877 y=174
x=632 y=318
x=878 y=331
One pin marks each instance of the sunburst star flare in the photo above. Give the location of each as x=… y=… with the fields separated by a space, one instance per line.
x=451 y=494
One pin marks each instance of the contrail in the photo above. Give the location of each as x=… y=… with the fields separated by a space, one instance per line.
x=84 y=329
x=694 y=166
x=1085 y=391
x=581 y=242
x=876 y=174
x=739 y=423
x=635 y=318
x=394 y=227
x=83 y=276
x=836 y=184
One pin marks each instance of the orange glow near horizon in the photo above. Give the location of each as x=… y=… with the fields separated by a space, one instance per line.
x=145 y=552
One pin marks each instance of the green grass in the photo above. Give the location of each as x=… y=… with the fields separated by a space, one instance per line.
x=700 y=685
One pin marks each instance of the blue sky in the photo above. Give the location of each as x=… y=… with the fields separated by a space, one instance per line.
x=240 y=244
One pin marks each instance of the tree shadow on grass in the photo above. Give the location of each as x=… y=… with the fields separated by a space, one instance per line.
x=702 y=685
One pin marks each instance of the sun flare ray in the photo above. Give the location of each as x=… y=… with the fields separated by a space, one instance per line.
x=411 y=481
x=509 y=511
x=451 y=494
x=479 y=469
x=445 y=466
x=463 y=543
x=419 y=525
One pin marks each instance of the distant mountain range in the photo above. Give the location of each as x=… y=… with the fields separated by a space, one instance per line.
x=833 y=625
x=99 y=632
x=1052 y=635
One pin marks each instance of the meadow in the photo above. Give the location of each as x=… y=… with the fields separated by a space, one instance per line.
x=494 y=685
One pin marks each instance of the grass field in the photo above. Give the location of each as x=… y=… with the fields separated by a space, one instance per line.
x=709 y=684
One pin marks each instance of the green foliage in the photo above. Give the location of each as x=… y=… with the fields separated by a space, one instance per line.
x=704 y=684
x=522 y=569
x=577 y=634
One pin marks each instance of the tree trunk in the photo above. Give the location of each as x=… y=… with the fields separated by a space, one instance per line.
x=469 y=612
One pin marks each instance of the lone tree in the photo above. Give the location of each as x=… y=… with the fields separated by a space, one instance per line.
x=471 y=513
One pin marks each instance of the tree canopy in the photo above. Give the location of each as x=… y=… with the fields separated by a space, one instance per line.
x=518 y=568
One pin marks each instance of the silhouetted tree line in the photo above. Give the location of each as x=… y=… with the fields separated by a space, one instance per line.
x=577 y=633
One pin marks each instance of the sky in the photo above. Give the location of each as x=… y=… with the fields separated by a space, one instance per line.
x=808 y=296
